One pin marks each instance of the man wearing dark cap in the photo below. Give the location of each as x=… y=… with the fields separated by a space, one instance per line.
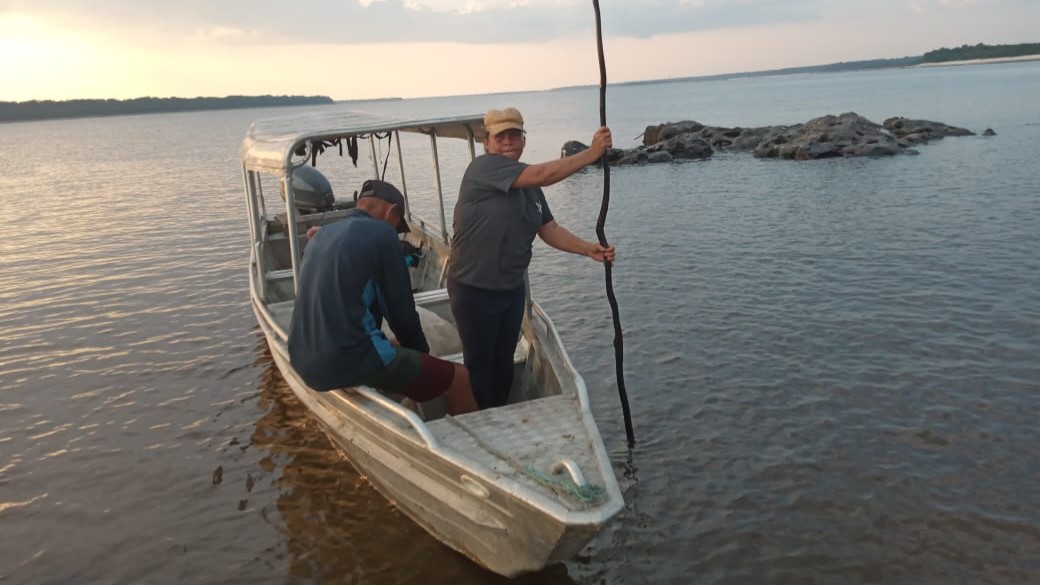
x=500 y=210
x=353 y=275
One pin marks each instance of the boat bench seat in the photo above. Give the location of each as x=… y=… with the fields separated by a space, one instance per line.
x=422 y=299
x=278 y=275
x=519 y=356
x=431 y=297
x=282 y=313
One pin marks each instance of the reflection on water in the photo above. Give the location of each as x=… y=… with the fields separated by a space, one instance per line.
x=834 y=367
x=337 y=528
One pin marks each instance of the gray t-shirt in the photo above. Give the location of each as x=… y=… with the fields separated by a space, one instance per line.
x=495 y=224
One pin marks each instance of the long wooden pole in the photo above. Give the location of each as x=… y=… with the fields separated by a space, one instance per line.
x=619 y=342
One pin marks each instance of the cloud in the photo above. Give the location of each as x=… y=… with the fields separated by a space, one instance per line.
x=368 y=21
x=925 y=6
x=376 y=48
x=482 y=22
x=226 y=33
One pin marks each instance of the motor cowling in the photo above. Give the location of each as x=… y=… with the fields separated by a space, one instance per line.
x=311 y=190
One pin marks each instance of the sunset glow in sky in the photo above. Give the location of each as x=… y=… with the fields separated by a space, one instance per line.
x=356 y=49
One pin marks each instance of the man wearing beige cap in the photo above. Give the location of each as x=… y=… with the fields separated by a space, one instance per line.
x=500 y=209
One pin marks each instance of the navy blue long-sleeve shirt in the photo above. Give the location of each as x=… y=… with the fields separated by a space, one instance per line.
x=353 y=274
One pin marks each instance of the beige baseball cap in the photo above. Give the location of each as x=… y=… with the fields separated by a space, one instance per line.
x=496 y=121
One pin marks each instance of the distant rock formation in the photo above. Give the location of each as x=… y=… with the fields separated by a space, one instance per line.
x=921 y=131
x=825 y=137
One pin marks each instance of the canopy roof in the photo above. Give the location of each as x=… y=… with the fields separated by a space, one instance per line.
x=270 y=143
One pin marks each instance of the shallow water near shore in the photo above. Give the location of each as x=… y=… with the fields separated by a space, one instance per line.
x=834 y=366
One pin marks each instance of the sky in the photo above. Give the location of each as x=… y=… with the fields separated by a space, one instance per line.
x=366 y=49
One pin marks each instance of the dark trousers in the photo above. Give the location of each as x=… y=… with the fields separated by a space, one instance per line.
x=489 y=326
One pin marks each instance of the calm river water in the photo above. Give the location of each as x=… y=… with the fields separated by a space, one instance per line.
x=834 y=366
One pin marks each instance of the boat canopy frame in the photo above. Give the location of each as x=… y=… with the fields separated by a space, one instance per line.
x=278 y=146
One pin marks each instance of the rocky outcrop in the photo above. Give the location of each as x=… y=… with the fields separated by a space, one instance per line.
x=831 y=137
x=687 y=146
x=922 y=131
x=825 y=137
x=572 y=147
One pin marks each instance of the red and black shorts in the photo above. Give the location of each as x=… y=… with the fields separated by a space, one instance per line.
x=418 y=376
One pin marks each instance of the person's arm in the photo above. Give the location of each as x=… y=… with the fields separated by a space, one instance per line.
x=400 y=304
x=561 y=238
x=554 y=171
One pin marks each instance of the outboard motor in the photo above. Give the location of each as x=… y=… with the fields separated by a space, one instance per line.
x=312 y=191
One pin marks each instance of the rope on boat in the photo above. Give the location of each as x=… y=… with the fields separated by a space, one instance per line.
x=319 y=146
x=619 y=342
x=352 y=149
x=588 y=494
x=389 y=143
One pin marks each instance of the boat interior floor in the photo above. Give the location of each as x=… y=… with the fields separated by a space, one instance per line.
x=541 y=438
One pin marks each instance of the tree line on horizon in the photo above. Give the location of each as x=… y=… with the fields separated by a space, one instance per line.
x=49 y=109
x=81 y=108
x=980 y=51
x=966 y=52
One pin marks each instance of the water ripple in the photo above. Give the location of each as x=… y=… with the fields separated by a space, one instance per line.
x=833 y=366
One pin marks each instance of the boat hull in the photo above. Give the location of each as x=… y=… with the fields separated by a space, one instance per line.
x=515 y=487
x=492 y=525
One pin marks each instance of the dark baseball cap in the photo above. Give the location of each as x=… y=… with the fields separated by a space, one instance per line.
x=386 y=192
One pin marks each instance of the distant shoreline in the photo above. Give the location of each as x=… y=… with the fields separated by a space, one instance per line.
x=874 y=65
x=38 y=110
x=979 y=61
